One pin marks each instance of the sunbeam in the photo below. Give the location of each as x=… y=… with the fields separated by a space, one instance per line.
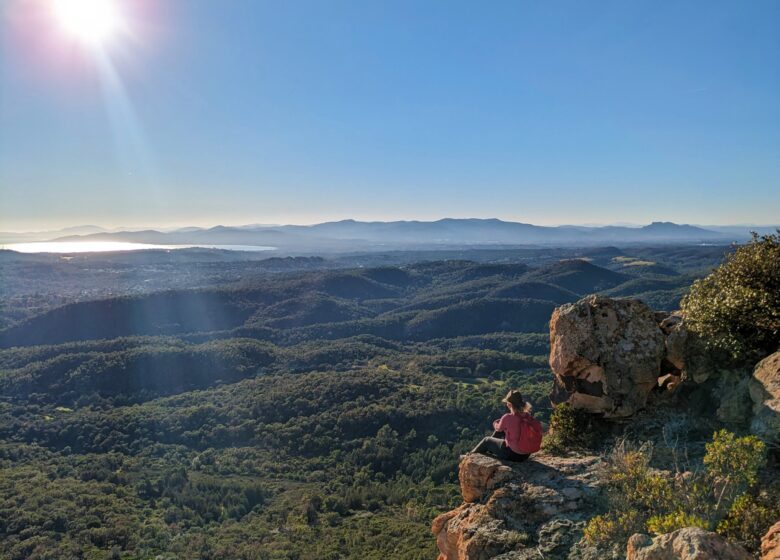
x=131 y=146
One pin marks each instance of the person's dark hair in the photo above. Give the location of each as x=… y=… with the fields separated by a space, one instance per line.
x=515 y=398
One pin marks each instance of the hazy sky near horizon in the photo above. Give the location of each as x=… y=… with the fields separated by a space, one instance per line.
x=204 y=112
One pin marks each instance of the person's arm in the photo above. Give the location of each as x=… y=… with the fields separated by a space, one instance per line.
x=500 y=424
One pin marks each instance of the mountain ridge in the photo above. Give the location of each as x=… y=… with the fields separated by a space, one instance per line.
x=353 y=234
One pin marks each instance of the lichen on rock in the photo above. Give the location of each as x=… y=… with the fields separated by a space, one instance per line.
x=519 y=510
x=764 y=389
x=690 y=543
x=606 y=355
x=770 y=543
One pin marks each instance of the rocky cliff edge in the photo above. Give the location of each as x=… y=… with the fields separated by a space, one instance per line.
x=518 y=511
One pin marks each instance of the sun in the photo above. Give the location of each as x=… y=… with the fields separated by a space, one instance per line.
x=93 y=22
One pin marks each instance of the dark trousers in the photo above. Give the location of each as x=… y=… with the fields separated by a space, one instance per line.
x=496 y=446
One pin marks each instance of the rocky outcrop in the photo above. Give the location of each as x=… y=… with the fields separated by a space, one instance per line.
x=764 y=388
x=685 y=354
x=675 y=339
x=519 y=511
x=690 y=543
x=479 y=474
x=606 y=354
x=770 y=544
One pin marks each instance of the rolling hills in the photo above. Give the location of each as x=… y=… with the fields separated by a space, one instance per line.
x=273 y=408
x=416 y=302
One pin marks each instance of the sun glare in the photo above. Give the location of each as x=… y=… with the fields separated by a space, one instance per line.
x=92 y=22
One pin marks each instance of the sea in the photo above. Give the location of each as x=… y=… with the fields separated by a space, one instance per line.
x=112 y=246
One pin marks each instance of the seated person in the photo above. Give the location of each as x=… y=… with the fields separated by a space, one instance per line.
x=517 y=433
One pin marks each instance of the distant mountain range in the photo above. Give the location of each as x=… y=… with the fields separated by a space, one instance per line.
x=32 y=236
x=348 y=235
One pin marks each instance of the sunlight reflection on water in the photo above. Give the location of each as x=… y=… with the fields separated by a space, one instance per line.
x=108 y=246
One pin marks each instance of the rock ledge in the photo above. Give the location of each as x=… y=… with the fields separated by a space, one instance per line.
x=519 y=510
x=690 y=543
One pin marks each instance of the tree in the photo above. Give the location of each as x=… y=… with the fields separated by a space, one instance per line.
x=736 y=309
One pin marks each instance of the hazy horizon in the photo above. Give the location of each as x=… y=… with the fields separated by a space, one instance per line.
x=207 y=225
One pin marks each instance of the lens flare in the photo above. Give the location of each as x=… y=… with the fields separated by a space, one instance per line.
x=92 y=22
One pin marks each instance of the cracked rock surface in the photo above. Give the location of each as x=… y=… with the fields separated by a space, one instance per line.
x=608 y=354
x=515 y=511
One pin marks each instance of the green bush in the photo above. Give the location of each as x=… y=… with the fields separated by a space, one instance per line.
x=749 y=518
x=660 y=524
x=736 y=309
x=569 y=429
x=636 y=483
x=641 y=498
x=612 y=527
x=733 y=465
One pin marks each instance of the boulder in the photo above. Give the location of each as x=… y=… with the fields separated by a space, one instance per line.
x=764 y=386
x=675 y=339
x=523 y=509
x=480 y=473
x=685 y=355
x=770 y=543
x=606 y=355
x=690 y=543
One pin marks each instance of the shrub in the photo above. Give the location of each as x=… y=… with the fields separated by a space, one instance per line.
x=736 y=309
x=660 y=524
x=641 y=498
x=630 y=474
x=612 y=527
x=733 y=464
x=748 y=519
x=571 y=428
x=600 y=529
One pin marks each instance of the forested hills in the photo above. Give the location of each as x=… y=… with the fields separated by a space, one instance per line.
x=314 y=413
x=421 y=301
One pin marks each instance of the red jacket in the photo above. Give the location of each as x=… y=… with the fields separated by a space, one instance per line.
x=520 y=432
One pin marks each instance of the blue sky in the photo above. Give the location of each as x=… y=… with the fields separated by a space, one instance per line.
x=248 y=111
